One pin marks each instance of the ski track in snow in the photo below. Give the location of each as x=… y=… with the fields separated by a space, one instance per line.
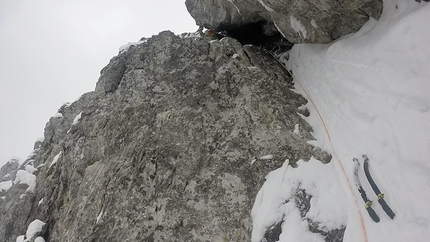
x=372 y=91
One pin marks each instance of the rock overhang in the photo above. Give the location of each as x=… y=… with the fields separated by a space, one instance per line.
x=298 y=21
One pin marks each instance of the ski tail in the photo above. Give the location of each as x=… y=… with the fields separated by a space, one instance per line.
x=375 y=188
x=367 y=202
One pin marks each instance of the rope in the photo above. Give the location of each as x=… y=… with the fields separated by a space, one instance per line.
x=363 y=226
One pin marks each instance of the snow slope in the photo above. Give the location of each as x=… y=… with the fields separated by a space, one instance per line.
x=369 y=93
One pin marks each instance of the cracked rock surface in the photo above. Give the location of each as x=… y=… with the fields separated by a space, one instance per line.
x=173 y=145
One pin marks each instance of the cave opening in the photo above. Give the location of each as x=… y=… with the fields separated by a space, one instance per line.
x=262 y=34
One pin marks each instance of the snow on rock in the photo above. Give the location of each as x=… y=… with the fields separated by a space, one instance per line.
x=39 y=239
x=4 y=186
x=189 y=35
x=30 y=169
x=30 y=156
x=34 y=228
x=296 y=129
x=99 y=217
x=15 y=159
x=130 y=44
x=55 y=160
x=40 y=202
x=269 y=9
x=275 y=201
x=25 y=177
x=20 y=238
x=58 y=115
x=314 y=24
x=77 y=119
x=266 y=157
x=372 y=90
x=298 y=27
x=237 y=9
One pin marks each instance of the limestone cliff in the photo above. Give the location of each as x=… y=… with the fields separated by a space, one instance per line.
x=173 y=145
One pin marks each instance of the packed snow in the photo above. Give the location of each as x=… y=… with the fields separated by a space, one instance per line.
x=30 y=169
x=25 y=177
x=5 y=185
x=273 y=202
x=20 y=238
x=39 y=239
x=33 y=228
x=369 y=93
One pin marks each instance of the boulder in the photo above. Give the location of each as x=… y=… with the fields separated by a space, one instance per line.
x=299 y=21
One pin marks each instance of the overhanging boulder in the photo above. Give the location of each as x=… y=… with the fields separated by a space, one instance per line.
x=299 y=21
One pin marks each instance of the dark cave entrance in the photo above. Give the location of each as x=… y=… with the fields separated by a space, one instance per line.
x=262 y=34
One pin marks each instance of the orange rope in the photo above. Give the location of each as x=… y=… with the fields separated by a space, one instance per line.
x=363 y=226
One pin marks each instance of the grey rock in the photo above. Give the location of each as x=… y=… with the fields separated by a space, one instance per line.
x=299 y=21
x=171 y=146
x=224 y=14
x=8 y=170
x=111 y=75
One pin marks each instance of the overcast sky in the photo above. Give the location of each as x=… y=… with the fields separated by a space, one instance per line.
x=51 y=52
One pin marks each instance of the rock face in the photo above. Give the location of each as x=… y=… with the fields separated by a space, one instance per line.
x=173 y=145
x=299 y=21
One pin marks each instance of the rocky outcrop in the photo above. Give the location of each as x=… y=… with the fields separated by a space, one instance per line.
x=299 y=21
x=173 y=145
x=8 y=170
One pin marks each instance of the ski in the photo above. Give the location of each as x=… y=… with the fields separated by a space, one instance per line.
x=368 y=203
x=375 y=188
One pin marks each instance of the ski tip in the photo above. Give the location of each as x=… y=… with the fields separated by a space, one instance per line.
x=355 y=159
x=365 y=157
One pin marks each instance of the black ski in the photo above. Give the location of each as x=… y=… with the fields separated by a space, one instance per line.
x=368 y=203
x=375 y=188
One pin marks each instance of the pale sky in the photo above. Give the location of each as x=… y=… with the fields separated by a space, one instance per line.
x=51 y=52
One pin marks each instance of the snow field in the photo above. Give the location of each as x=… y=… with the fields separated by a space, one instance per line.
x=372 y=90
